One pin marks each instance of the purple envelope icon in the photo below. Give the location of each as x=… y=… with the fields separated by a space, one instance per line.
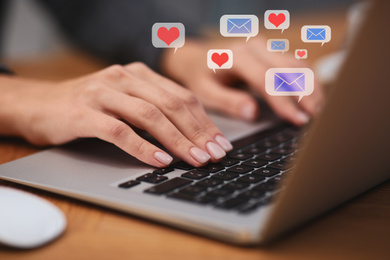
x=289 y=82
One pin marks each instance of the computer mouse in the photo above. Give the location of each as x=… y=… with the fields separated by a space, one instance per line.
x=28 y=221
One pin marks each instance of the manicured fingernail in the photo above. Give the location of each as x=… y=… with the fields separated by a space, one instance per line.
x=303 y=118
x=248 y=112
x=199 y=155
x=215 y=150
x=224 y=143
x=163 y=158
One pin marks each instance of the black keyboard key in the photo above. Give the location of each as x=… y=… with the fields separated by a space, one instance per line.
x=289 y=159
x=235 y=185
x=280 y=138
x=163 y=171
x=183 y=166
x=228 y=162
x=251 y=178
x=209 y=182
x=240 y=156
x=128 y=184
x=240 y=169
x=200 y=200
x=225 y=176
x=195 y=174
x=193 y=190
x=255 y=163
x=279 y=165
x=282 y=151
x=168 y=186
x=252 y=194
x=156 y=179
x=232 y=203
x=264 y=187
x=146 y=177
x=268 y=157
x=266 y=172
x=267 y=144
x=254 y=150
x=249 y=208
x=218 y=193
x=212 y=168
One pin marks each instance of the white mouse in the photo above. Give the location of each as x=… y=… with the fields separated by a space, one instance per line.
x=26 y=220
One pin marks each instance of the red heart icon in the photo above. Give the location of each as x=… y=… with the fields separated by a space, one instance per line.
x=168 y=36
x=220 y=59
x=301 y=53
x=277 y=19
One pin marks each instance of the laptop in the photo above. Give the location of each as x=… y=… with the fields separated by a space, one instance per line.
x=277 y=178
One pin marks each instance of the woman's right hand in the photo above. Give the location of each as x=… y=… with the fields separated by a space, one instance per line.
x=105 y=105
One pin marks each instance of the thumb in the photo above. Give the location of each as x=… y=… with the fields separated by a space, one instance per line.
x=233 y=102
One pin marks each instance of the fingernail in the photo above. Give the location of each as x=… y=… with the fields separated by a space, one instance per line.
x=224 y=143
x=163 y=158
x=303 y=117
x=199 y=155
x=248 y=112
x=215 y=150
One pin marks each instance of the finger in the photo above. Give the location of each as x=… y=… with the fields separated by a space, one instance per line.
x=312 y=104
x=183 y=109
x=147 y=116
x=114 y=131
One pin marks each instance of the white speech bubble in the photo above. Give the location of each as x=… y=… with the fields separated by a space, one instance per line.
x=168 y=35
x=219 y=59
x=289 y=82
x=316 y=33
x=239 y=25
x=301 y=54
x=277 y=20
x=275 y=45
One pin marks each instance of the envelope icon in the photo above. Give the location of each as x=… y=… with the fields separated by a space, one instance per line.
x=278 y=45
x=289 y=82
x=316 y=34
x=239 y=25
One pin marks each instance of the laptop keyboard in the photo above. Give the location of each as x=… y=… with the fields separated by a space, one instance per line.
x=246 y=179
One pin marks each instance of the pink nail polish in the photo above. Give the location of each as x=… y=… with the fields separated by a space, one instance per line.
x=224 y=143
x=199 y=155
x=163 y=158
x=215 y=150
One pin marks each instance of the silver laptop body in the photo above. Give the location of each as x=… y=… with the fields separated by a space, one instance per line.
x=346 y=151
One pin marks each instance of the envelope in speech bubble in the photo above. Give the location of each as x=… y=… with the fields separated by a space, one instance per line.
x=316 y=33
x=243 y=25
x=289 y=82
x=278 y=45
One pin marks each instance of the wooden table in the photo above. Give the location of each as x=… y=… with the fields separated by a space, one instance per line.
x=359 y=229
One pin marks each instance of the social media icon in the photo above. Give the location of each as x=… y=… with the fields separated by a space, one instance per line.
x=219 y=59
x=278 y=45
x=239 y=26
x=289 y=82
x=300 y=54
x=316 y=33
x=277 y=19
x=168 y=35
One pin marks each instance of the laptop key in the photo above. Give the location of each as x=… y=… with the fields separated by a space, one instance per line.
x=147 y=176
x=240 y=156
x=251 y=178
x=228 y=162
x=282 y=151
x=168 y=186
x=268 y=157
x=254 y=150
x=240 y=169
x=128 y=184
x=183 y=166
x=225 y=176
x=200 y=200
x=212 y=168
x=209 y=182
x=232 y=203
x=267 y=144
x=266 y=172
x=163 y=171
x=255 y=163
x=195 y=174
x=279 y=165
x=235 y=185
x=217 y=193
x=156 y=179
x=193 y=190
